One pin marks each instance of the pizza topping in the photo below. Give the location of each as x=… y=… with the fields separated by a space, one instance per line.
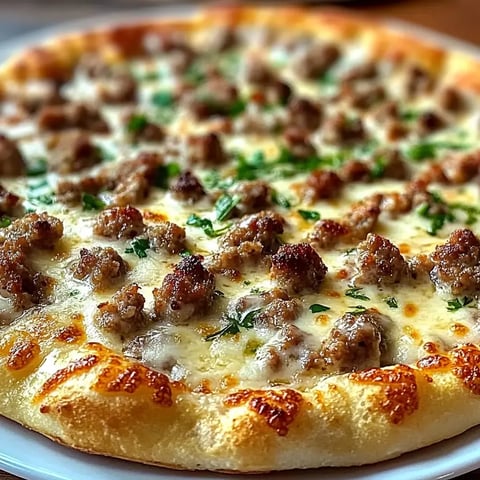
x=119 y=223
x=123 y=315
x=298 y=268
x=140 y=129
x=339 y=129
x=72 y=151
x=356 y=342
x=102 y=267
x=456 y=267
x=250 y=197
x=12 y=163
x=206 y=150
x=312 y=61
x=378 y=262
x=451 y=100
x=320 y=185
x=298 y=142
x=71 y=115
x=186 y=292
x=364 y=71
x=429 y=122
x=187 y=188
x=22 y=353
x=418 y=81
x=10 y=204
x=304 y=114
x=118 y=90
x=166 y=236
x=263 y=227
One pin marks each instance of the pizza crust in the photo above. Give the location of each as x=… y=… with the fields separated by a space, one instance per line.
x=107 y=405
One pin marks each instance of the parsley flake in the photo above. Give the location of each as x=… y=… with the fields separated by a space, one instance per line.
x=310 y=215
x=225 y=205
x=317 y=308
x=391 y=302
x=457 y=303
x=206 y=225
x=234 y=324
x=355 y=292
x=38 y=167
x=357 y=309
x=137 y=123
x=5 y=221
x=139 y=247
x=162 y=98
x=91 y=202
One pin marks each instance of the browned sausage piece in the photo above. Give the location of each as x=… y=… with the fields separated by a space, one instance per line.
x=221 y=39
x=12 y=163
x=456 y=268
x=140 y=129
x=10 y=204
x=118 y=90
x=362 y=217
x=134 y=189
x=341 y=130
x=314 y=60
x=354 y=343
x=298 y=268
x=206 y=150
x=378 y=262
x=119 y=223
x=71 y=115
x=18 y=281
x=72 y=151
x=186 y=292
x=364 y=71
x=320 y=185
x=254 y=196
x=327 y=233
x=35 y=231
x=298 y=142
x=187 y=188
x=229 y=260
x=166 y=236
x=418 y=81
x=451 y=100
x=304 y=114
x=123 y=315
x=263 y=227
x=102 y=267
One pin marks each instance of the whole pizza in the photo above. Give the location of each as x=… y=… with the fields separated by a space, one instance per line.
x=243 y=241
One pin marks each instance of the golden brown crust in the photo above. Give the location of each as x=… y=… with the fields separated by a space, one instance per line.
x=88 y=397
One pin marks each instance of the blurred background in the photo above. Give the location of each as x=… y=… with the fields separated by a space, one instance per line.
x=459 y=18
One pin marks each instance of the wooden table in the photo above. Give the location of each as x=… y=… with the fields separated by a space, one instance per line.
x=459 y=18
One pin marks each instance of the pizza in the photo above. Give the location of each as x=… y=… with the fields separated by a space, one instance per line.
x=243 y=241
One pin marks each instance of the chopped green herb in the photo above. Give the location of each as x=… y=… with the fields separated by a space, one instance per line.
x=162 y=98
x=378 y=167
x=139 y=247
x=310 y=215
x=42 y=199
x=225 y=205
x=425 y=150
x=185 y=253
x=280 y=199
x=38 y=167
x=457 y=303
x=349 y=251
x=327 y=80
x=357 y=309
x=73 y=293
x=137 y=123
x=354 y=292
x=195 y=73
x=164 y=173
x=317 y=308
x=91 y=202
x=213 y=180
x=247 y=282
x=257 y=291
x=105 y=154
x=148 y=76
x=5 y=221
x=251 y=347
x=391 y=302
x=38 y=185
x=409 y=115
x=206 y=225
x=235 y=323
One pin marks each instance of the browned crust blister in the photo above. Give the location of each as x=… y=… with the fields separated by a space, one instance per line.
x=87 y=397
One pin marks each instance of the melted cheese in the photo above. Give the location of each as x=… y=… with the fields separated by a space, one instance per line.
x=181 y=350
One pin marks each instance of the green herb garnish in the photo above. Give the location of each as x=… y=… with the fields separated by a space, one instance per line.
x=235 y=323
x=425 y=150
x=163 y=173
x=206 y=225
x=91 y=202
x=162 y=98
x=136 y=123
x=280 y=199
x=317 y=308
x=357 y=309
x=225 y=205
x=139 y=247
x=5 y=221
x=378 y=167
x=38 y=167
x=457 y=303
x=354 y=292
x=391 y=302
x=310 y=215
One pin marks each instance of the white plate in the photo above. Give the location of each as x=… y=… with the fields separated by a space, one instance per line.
x=34 y=457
